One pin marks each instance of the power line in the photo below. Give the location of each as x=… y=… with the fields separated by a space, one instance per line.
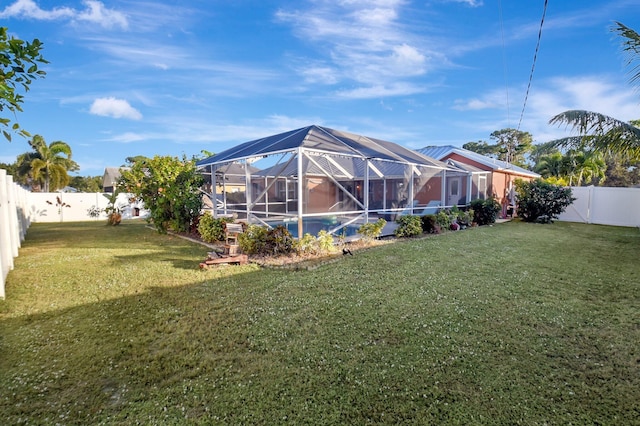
x=504 y=63
x=535 y=57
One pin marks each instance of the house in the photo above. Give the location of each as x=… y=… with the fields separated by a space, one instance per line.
x=316 y=178
x=494 y=177
x=110 y=178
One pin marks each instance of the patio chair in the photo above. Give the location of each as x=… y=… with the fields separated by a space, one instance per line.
x=408 y=210
x=432 y=208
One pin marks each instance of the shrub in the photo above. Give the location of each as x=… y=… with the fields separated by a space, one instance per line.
x=308 y=244
x=372 y=230
x=253 y=240
x=279 y=241
x=429 y=224
x=443 y=219
x=486 y=211
x=212 y=229
x=465 y=217
x=408 y=226
x=540 y=201
x=325 y=242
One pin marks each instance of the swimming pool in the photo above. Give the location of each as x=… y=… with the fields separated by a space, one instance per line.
x=314 y=225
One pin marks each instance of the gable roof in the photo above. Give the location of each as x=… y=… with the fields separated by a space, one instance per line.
x=441 y=152
x=111 y=175
x=322 y=139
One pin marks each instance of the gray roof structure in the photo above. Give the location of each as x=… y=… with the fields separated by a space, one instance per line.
x=440 y=152
x=323 y=140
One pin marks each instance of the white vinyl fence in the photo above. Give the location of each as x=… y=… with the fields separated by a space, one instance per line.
x=604 y=206
x=13 y=224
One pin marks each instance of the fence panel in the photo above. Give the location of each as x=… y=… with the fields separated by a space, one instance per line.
x=604 y=206
x=12 y=225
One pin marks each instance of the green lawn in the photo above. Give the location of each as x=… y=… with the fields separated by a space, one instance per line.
x=510 y=324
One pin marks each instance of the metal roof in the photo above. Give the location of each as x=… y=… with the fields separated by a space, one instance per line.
x=440 y=152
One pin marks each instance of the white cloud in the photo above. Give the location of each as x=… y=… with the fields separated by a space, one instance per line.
x=363 y=42
x=116 y=108
x=29 y=9
x=94 y=12
x=382 y=91
x=127 y=137
x=472 y=3
x=97 y=13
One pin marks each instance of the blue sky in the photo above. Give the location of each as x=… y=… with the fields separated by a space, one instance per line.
x=133 y=78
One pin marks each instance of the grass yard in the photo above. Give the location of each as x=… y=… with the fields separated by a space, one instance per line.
x=510 y=324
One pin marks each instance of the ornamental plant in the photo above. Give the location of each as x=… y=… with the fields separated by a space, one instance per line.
x=408 y=226
x=372 y=230
x=211 y=229
x=169 y=188
x=486 y=211
x=540 y=201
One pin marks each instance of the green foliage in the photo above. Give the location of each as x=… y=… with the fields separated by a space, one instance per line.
x=47 y=166
x=279 y=241
x=466 y=217
x=19 y=61
x=211 y=229
x=510 y=145
x=600 y=132
x=408 y=226
x=308 y=244
x=486 y=211
x=443 y=219
x=253 y=240
x=325 y=242
x=372 y=230
x=540 y=201
x=86 y=183
x=169 y=188
x=113 y=210
x=118 y=326
x=430 y=225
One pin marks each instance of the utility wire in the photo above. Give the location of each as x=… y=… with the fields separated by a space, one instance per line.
x=504 y=64
x=535 y=57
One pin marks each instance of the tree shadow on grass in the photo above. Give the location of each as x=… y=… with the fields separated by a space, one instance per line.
x=129 y=357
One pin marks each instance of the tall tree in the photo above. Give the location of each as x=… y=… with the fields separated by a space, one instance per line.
x=481 y=147
x=551 y=165
x=513 y=145
x=50 y=164
x=19 y=61
x=584 y=167
x=598 y=131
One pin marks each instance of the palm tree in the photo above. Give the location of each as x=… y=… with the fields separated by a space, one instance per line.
x=599 y=132
x=50 y=163
x=551 y=165
x=584 y=167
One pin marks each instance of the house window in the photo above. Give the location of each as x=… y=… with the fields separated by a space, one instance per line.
x=281 y=189
x=292 y=191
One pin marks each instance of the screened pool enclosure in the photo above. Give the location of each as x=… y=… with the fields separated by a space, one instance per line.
x=316 y=178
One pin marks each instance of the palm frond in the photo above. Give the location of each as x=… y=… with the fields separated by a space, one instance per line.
x=599 y=132
x=631 y=47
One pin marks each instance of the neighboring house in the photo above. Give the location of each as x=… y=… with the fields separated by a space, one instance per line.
x=499 y=182
x=111 y=177
x=320 y=178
